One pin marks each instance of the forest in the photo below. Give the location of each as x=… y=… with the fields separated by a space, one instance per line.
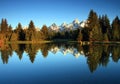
x=98 y=28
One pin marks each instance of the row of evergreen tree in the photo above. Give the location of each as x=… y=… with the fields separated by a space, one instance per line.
x=32 y=33
x=97 y=29
x=100 y=29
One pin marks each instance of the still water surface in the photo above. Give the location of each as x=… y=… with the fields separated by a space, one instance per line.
x=59 y=63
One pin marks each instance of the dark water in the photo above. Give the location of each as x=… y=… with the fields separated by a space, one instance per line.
x=59 y=63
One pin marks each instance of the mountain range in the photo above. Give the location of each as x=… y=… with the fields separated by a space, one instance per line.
x=67 y=27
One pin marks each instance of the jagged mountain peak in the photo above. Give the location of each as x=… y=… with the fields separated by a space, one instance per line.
x=71 y=26
x=64 y=24
x=76 y=21
x=54 y=24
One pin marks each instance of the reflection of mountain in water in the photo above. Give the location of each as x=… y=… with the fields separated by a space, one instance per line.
x=96 y=54
x=64 y=50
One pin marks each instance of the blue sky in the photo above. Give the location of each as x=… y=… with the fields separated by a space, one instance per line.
x=55 y=11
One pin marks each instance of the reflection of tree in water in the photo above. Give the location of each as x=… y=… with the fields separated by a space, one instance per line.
x=4 y=56
x=115 y=53
x=105 y=55
x=6 y=51
x=85 y=49
x=44 y=49
x=32 y=50
x=96 y=54
x=20 y=50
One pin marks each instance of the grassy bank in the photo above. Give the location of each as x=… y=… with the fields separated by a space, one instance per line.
x=27 y=42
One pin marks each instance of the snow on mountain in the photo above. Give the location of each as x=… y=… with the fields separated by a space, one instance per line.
x=54 y=27
x=76 y=21
x=84 y=24
x=71 y=26
x=64 y=24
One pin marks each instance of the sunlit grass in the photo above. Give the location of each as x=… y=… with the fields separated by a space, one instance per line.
x=27 y=42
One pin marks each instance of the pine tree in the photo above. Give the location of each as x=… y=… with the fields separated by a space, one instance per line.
x=4 y=30
x=31 y=26
x=4 y=25
x=10 y=28
x=105 y=27
x=19 y=28
x=86 y=34
x=9 y=33
x=116 y=29
x=20 y=32
x=45 y=32
x=30 y=32
x=94 y=27
x=80 y=36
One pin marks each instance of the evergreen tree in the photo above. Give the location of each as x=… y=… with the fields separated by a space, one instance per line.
x=31 y=26
x=105 y=26
x=80 y=36
x=75 y=34
x=45 y=32
x=30 y=33
x=5 y=30
x=116 y=29
x=4 y=25
x=9 y=33
x=94 y=27
x=10 y=28
x=20 y=32
x=85 y=34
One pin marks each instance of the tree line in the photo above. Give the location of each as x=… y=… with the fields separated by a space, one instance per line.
x=98 y=28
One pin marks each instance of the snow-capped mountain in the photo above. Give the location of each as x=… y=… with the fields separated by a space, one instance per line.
x=72 y=26
x=76 y=23
x=54 y=27
x=84 y=24
x=67 y=27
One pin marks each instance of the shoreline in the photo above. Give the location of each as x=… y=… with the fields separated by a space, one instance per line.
x=81 y=42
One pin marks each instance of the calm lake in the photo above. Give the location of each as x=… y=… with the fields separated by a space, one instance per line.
x=59 y=63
